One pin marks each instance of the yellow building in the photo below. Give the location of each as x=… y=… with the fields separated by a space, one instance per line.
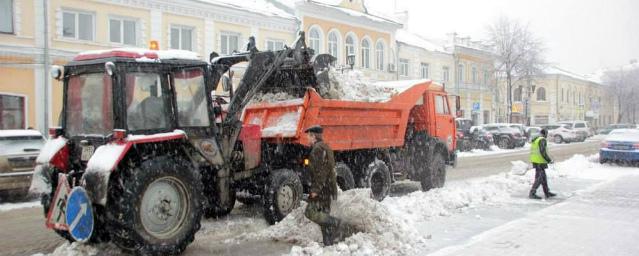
x=559 y=95
x=31 y=40
x=474 y=80
x=345 y=27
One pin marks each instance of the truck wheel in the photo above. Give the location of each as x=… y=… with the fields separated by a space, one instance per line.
x=155 y=209
x=504 y=143
x=436 y=175
x=344 y=175
x=378 y=179
x=214 y=210
x=283 y=195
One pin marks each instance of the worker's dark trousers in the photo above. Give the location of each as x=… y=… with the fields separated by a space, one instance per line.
x=319 y=211
x=540 y=179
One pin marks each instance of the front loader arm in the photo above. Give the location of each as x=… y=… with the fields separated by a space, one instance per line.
x=261 y=71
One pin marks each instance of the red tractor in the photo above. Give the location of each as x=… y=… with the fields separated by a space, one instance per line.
x=139 y=157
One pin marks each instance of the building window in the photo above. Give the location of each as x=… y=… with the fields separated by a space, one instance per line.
x=403 y=67
x=541 y=94
x=424 y=70
x=181 y=38
x=460 y=73
x=78 y=25
x=274 y=45
x=517 y=94
x=315 y=40
x=12 y=114
x=562 y=95
x=445 y=74
x=123 y=31
x=366 y=54
x=6 y=16
x=474 y=75
x=379 y=56
x=333 y=44
x=350 y=46
x=486 y=77
x=229 y=42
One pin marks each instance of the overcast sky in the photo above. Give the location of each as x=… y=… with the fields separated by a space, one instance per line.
x=580 y=35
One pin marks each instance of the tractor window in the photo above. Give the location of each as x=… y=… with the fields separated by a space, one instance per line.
x=191 y=97
x=145 y=102
x=88 y=108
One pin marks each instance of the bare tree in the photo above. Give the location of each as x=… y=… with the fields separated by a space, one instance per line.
x=519 y=54
x=624 y=86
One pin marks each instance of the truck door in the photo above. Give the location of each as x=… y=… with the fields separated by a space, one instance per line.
x=444 y=120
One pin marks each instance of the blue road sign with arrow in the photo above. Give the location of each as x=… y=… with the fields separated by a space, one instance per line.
x=79 y=215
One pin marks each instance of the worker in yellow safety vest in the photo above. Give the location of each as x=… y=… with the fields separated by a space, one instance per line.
x=540 y=160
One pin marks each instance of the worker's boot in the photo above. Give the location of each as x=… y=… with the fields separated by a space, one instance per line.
x=550 y=194
x=533 y=195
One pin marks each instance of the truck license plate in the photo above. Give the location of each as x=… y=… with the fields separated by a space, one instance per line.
x=87 y=152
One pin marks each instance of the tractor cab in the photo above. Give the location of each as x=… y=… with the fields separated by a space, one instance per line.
x=120 y=92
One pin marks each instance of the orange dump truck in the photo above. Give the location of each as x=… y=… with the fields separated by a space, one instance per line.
x=409 y=136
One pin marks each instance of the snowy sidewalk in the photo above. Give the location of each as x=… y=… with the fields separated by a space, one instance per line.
x=600 y=221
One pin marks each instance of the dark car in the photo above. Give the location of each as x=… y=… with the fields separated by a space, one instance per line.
x=505 y=136
x=472 y=137
x=18 y=152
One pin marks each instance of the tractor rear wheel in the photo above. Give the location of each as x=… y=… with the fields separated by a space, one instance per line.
x=283 y=195
x=155 y=208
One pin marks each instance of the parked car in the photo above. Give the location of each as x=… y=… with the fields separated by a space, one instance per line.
x=18 y=152
x=606 y=130
x=559 y=133
x=472 y=137
x=532 y=132
x=621 y=145
x=581 y=127
x=505 y=136
x=477 y=138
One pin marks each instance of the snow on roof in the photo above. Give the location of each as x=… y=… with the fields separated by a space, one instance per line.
x=554 y=70
x=19 y=133
x=263 y=7
x=141 y=54
x=413 y=39
x=378 y=17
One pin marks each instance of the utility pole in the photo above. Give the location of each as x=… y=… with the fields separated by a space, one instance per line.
x=45 y=14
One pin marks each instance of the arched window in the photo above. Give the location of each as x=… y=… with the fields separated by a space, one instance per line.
x=366 y=54
x=333 y=44
x=517 y=94
x=541 y=94
x=379 y=55
x=460 y=73
x=315 y=40
x=350 y=46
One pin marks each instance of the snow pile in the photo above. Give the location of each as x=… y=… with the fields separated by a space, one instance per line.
x=353 y=85
x=519 y=167
x=285 y=126
x=383 y=233
x=67 y=249
x=13 y=206
x=269 y=97
x=494 y=149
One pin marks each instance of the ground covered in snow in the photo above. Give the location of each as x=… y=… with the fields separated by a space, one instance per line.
x=484 y=215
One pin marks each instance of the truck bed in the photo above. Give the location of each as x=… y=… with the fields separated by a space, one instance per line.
x=348 y=125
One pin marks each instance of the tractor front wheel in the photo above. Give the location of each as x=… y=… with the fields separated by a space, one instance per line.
x=155 y=209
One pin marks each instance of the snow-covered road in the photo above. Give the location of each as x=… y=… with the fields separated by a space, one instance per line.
x=593 y=214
